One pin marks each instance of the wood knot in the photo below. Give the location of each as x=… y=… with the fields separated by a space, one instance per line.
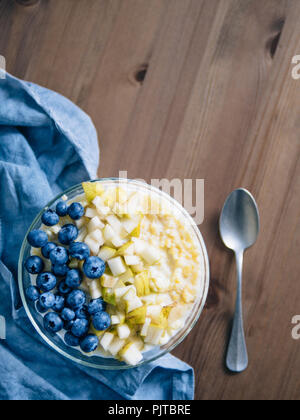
x=139 y=74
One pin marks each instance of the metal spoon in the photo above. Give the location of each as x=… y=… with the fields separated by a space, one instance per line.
x=239 y=228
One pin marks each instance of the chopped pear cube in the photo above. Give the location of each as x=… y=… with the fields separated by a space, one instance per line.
x=131 y=355
x=106 y=253
x=118 y=242
x=81 y=222
x=146 y=325
x=95 y=290
x=108 y=295
x=133 y=303
x=116 y=225
x=92 y=189
x=116 y=345
x=90 y=213
x=132 y=259
x=127 y=277
x=123 y=331
x=108 y=281
x=102 y=210
x=154 y=334
x=92 y=244
x=106 y=340
x=117 y=266
x=121 y=291
x=154 y=311
x=150 y=254
x=123 y=250
x=82 y=234
x=97 y=236
x=95 y=223
x=115 y=320
x=138 y=316
x=142 y=283
x=131 y=224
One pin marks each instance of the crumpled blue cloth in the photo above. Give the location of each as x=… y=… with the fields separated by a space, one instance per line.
x=47 y=144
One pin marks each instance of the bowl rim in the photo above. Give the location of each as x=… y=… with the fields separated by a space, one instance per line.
x=163 y=351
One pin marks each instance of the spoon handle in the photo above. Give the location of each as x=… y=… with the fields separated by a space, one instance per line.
x=237 y=356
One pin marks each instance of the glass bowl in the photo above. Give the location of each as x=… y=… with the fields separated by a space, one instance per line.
x=55 y=341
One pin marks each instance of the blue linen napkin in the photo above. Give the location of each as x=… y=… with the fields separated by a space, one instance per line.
x=47 y=144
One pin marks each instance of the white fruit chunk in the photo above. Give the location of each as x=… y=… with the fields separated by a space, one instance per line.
x=95 y=223
x=106 y=253
x=101 y=208
x=90 y=213
x=150 y=254
x=132 y=355
x=118 y=242
x=116 y=346
x=154 y=335
x=133 y=303
x=108 y=281
x=123 y=331
x=116 y=225
x=109 y=233
x=117 y=266
x=82 y=234
x=121 y=291
x=80 y=223
x=144 y=330
x=95 y=290
x=130 y=224
x=106 y=340
x=115 y=320
x=153 y=311
x=92 y=244
x=97 y=236
x=132 y=259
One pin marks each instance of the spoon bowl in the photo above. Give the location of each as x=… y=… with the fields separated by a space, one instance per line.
x=239 y=222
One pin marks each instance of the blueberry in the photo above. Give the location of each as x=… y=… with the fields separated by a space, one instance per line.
x=34 y=264
x=60 y=269
x=37 y=238
x=63 y=288
x=96 y=305
x=32 y=293
x=101 y=321
x=71 y=340
x=50 y=218
x=39 y=308
x=53 y=322
x=67 y=234
x=73 y=278
x=59 y=303
x=94 y=267
x=48 y=248
x=47 y=300
x=59 y=255
x=62 y=208
x=68 y=325
x=79 y=250
x=76 y=299
x=46 y=281
x=82 y=313
x=89 y=343
x=75 y=211
x=67 y=314
x=80 y=327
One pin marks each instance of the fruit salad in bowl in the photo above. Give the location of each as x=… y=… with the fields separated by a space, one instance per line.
x=113 y=273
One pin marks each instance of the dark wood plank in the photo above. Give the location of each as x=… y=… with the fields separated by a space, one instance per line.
x=193 y=89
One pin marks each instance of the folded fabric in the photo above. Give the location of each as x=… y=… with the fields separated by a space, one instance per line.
x=48 y=144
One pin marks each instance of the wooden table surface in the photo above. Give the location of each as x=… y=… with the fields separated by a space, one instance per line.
x=193 y=89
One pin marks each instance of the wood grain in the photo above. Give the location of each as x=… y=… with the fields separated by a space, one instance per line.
x=193 y=89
